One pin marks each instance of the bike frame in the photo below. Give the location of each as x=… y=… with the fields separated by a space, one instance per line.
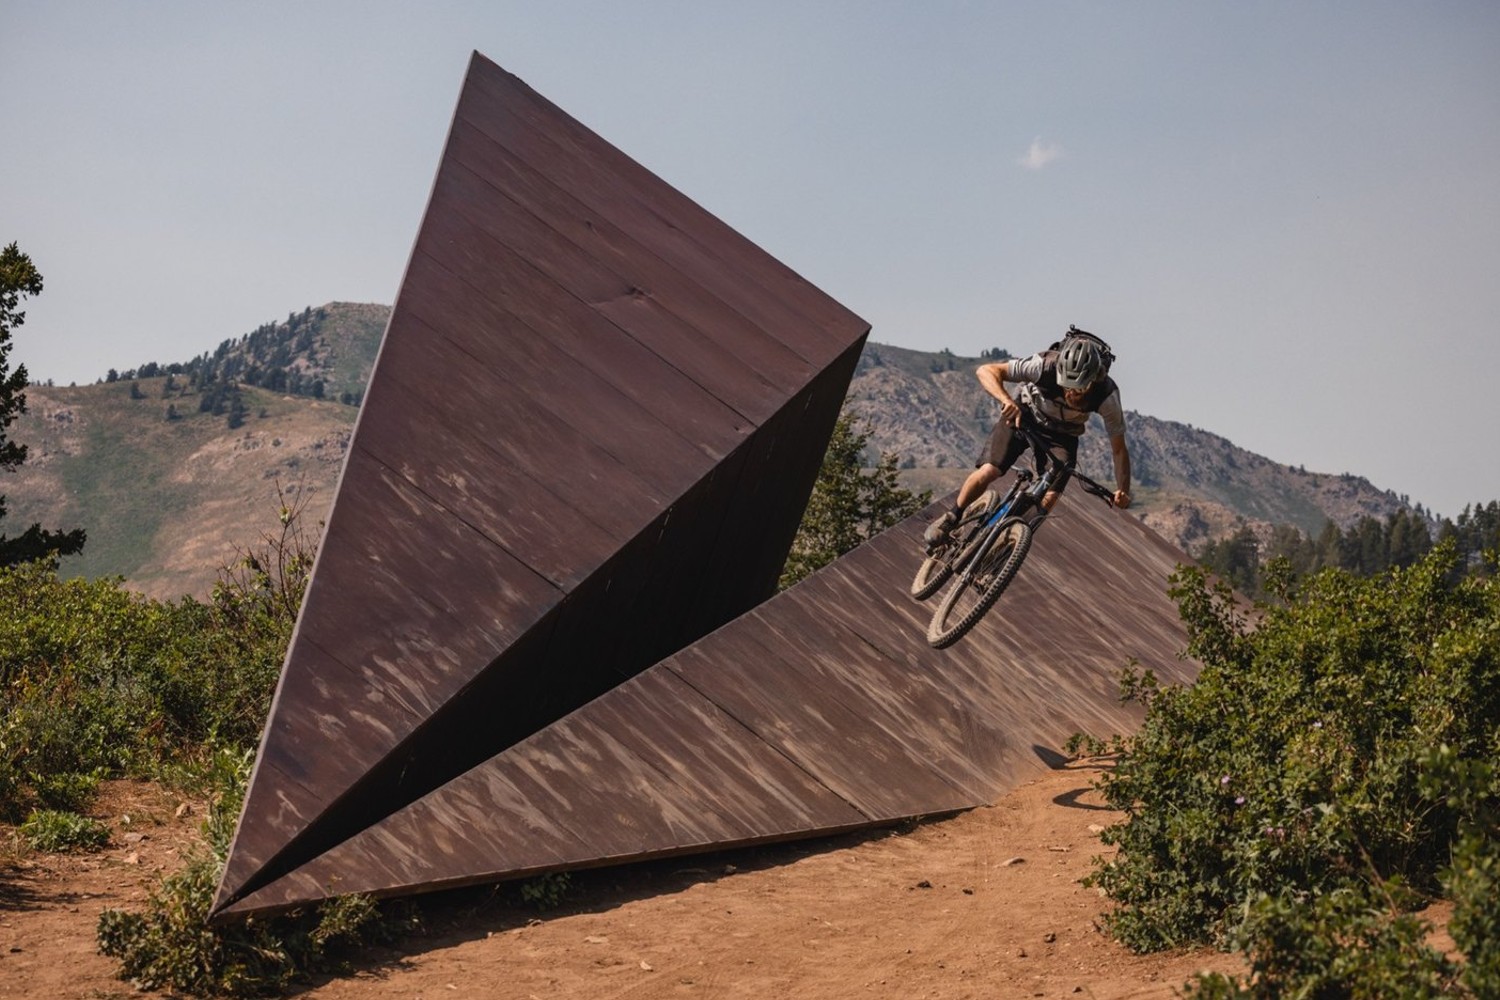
x=1025 y=494
x=985 y=550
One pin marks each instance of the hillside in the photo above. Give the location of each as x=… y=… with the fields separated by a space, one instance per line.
x=167 y=501
x=1192 y=486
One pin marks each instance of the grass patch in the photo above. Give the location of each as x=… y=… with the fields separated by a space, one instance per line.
x=55 y=832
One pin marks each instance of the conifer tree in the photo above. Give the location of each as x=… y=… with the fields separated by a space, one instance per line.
x=847 y=504
x=19 y=278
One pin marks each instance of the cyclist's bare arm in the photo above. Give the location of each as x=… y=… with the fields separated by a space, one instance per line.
x=992 y=378
x=1121 y=455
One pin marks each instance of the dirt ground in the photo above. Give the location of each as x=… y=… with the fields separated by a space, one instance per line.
x=984 y=904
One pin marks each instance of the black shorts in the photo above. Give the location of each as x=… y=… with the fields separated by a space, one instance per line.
x=1005 y=446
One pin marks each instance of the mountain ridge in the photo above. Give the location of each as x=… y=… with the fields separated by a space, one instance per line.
x=173 y=472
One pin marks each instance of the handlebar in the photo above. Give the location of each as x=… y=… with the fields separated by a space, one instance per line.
x=1039 y=443
x=1089 y=486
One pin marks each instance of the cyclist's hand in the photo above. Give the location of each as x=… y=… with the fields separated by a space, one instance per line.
x=1010 y=412
x=1121 y=499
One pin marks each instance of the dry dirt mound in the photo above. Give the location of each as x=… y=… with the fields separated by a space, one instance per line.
x=984 y=904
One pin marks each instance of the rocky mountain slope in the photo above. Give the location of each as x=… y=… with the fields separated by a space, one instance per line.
x=171 y=474
x=1192 y=486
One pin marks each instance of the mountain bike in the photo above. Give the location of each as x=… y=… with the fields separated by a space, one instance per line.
x=985 y=549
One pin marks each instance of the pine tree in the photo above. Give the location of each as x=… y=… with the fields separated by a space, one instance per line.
x=19 y=278
x=847 y=504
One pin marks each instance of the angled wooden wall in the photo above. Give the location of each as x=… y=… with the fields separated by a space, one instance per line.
x=541 y=631
x=819 y=711
x=594 y=421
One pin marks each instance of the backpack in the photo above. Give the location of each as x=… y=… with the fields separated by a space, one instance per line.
x=1104 y=350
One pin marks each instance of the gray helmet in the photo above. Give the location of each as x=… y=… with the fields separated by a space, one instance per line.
x=1079 y=363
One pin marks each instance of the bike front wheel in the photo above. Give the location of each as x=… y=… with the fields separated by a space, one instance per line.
x=974 y=591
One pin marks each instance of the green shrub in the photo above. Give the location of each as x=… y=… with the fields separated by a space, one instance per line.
x=1358 y=942
x=54 y=831
x=171 y=945
x=546 y=892
x=97 y=681
x=1294 y=764
x=1472 y=789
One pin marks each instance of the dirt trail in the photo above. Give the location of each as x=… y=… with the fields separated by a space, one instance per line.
x=985 y=904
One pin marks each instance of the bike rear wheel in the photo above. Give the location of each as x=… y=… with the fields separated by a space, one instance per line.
x=975 y=590
x=937 y=567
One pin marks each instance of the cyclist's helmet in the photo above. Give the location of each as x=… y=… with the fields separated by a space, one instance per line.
x=1079 y=363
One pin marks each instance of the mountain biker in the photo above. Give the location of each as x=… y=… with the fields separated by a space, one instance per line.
x=1060 y=387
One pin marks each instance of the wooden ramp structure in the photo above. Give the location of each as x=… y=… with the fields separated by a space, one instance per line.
x=541 y=631
x=820 y=711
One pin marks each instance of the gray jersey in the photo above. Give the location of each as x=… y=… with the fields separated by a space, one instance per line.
x=1055 y=412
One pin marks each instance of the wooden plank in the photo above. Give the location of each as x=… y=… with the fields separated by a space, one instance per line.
x=865 y=764
x=523 y=433
x=436 y=844
x=560 y=215
x=515 y=511
x=586 y=442
x=781 y=467
x=712 y=761
x=652 y=748
x=484 y=282
x=914 y=707
x=470 y=203
x=531 y=431
x=809 y=674
x=411 y=590
x=672 y=226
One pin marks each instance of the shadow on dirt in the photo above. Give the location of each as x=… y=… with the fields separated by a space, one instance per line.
x=19 y=892
x=1083 y=765
x=452 y=917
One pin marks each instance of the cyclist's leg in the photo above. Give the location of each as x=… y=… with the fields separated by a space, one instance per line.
x=1000 y=452
x=979 y=480
x=1064 y=450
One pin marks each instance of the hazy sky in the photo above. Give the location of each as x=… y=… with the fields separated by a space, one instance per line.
x=1284 y=216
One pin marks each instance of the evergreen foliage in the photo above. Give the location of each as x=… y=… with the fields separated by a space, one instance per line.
x=1332 y=765
x=848 y=503
x=1367 y=547
x=290 y=358
x=19 y=279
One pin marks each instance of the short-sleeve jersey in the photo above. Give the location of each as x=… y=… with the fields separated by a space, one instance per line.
x=1041 y=393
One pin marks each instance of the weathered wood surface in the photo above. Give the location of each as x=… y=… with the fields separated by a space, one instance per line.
x=594 y=421
x=821 y=710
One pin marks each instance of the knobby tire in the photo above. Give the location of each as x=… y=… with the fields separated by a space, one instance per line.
x=938 y=567
x=983 y=585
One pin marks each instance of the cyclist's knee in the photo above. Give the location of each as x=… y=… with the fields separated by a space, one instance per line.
x=1050 y=499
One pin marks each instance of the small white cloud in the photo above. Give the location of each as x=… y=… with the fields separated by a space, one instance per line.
x=1040 y=154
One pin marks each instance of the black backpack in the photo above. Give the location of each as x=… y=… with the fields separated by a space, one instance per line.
x=1104 y=350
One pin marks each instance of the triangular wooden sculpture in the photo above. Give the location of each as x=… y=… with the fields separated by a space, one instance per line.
x=595 y=419
x=821 y=710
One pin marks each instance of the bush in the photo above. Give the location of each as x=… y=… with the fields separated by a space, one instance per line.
x=55 y=832
x=1472 y=880
x=98 y=681
x=546 y=892
x=172 y=946
x=1280 y=802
